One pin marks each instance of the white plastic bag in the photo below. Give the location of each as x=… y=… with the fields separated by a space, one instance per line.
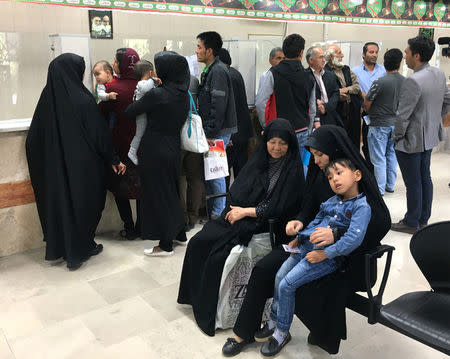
x=193 y=137
x=215 y=160
x=236 y=273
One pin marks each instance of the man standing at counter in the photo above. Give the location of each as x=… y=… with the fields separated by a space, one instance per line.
x=215 y=105
x=367 y=73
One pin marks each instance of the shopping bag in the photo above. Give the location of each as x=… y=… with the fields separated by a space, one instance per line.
x=216 y=164
x=235 y=275
x=193 y=137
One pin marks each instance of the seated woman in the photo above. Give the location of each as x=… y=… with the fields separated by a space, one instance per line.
x=325 y=298
x=269 y=186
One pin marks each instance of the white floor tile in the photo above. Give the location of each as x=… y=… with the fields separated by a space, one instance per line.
x=5 y=350
x=61 y=340
x=116 y=322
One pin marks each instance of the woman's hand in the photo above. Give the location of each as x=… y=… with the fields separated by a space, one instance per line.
x=119 y=169
x=322 y=237
x=292 y=227
x=237 y=213
x=316 y=256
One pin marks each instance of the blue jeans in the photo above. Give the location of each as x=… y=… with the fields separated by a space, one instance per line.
x=415 y=169
x=382 y=155
x=304 y=153
x=295 y=272
x=218 y=185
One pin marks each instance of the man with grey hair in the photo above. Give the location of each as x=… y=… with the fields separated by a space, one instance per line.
x=349 y=106
x=327 y=88
x=276 y=55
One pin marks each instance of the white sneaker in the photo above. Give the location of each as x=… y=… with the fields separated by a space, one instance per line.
x=181 y=243
x=149 y=252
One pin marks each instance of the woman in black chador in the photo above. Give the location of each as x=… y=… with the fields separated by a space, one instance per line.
x=69 y=151
x=167 y=107
x=269 y=186
x=320 y=305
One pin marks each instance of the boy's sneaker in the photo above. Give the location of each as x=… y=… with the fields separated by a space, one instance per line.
x=264 y=333
x=133 y=156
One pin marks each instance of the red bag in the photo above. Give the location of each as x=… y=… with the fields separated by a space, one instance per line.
x=271 y=109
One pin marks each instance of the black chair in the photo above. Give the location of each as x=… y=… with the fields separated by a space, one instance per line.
x=425 y=315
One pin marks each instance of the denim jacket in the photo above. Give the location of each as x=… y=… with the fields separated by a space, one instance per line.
x=353 y=214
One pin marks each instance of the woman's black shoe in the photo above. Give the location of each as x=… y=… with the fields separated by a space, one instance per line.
x=98 y=249
x=264 y=333
x=232 y=347
x=272 y=348
x=312 y=340
x=129 y=234
x=74 y=265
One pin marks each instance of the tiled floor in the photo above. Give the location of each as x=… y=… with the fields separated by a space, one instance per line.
x=122 y=304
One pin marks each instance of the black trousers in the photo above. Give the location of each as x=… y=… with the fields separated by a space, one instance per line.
x=237 y=156
x=124 y=207
x=191 y=195
x=259 y=289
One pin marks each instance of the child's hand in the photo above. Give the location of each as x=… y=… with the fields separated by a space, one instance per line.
x=112 y=95
x=157 y=80
x=316 y=256
x=293 y=243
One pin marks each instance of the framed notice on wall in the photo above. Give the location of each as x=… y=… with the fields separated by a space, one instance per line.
x=100 y=24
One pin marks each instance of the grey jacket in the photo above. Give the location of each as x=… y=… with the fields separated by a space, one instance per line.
x=424 y=101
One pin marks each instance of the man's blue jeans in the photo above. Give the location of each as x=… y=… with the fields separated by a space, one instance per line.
x=415 y=169
x=304 y=154
x=382 y=155
x=295 y=272
x=218 y=185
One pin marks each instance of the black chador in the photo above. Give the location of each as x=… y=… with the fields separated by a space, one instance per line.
x=69 y=152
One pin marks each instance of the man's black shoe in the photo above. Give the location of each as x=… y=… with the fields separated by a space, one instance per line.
x=232 y=347
x=403 y=227
x=264 y=333
x=389 y=191
x=272 y=348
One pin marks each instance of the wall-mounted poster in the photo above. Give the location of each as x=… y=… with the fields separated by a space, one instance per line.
x=100 y=24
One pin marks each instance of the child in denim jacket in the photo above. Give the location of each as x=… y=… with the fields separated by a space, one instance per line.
x=347 y=209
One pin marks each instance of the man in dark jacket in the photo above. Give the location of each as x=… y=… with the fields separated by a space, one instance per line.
x=237 y=150
x=288 y=92
x=349 y=106
x=215 y=105
x=327 y=88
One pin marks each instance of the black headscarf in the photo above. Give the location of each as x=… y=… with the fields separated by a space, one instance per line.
x=173 y=70
x=334 y=142
x=251 y=186
x=68 y=149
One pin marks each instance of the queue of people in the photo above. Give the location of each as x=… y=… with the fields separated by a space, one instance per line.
x=307 y=173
